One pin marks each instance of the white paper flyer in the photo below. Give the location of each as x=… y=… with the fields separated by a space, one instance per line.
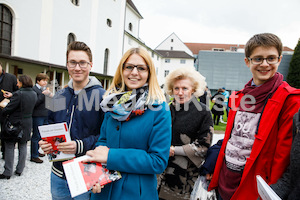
x=264 y=190
x=55 y=134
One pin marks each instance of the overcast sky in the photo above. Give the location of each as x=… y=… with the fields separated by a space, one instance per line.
x=218 y=21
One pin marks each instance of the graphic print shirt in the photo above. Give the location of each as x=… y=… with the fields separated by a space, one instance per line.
x=240 y=144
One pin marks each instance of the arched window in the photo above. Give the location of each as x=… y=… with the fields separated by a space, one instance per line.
x=6 y=20
x=106 y=56
x=108 y=22
x=71 y=38
x=75 y=2
x=130 y=26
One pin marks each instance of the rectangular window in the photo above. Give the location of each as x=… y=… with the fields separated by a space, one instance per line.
x=166 y=72
x=218 y=49
x=20 y=71
x=167 y=60
x=182 y=61
x=233 y=48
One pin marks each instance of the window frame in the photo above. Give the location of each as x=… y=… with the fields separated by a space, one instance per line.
x=75 y=2
x=108 y=22
x=6 y=25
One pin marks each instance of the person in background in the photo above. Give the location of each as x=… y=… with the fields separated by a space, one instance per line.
x=8 y=84
x=192 y=130
x=205 y=98
x=18 y=110
x=39 y=115
x=135 y=136
x=258 y=134
x=217 y=109
x=226 y=95
x=288 y=186
x=208 y=167
x=81 y=112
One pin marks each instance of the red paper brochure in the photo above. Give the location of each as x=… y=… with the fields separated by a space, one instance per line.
x=82 y=176
x=55 y=134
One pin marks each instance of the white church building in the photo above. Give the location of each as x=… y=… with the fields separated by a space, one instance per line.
x=34 y=36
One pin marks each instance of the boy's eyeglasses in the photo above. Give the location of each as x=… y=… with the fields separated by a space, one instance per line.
x=259 y=60
x=82 y=64
x=129 y=67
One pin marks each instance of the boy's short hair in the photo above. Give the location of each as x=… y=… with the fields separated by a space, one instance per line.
x=263 y=40
x=41 y=76
x=79 y=46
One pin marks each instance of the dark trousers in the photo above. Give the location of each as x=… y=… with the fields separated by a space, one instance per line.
x=36 y=137
x=10 y=155
x=216 y=119
x=2 y=142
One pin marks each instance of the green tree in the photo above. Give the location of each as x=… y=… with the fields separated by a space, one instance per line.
x=293 y=77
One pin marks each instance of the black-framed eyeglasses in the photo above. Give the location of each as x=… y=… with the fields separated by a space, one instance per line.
x=82 y=64
x=129 y=67
x=259 y=60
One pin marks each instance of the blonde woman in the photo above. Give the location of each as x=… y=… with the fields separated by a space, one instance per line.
x=192 y=129
x=136 y=133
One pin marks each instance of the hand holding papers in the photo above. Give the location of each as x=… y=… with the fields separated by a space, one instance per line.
x=82 y=176
x=4 y=103
x=56 y=134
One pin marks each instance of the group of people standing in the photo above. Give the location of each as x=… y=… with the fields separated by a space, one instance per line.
x=135 y=131
x=26 y=108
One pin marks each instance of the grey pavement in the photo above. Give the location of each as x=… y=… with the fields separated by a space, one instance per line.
x=34 y=183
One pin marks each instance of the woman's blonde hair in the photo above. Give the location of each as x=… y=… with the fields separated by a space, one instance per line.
x=198 y=81
x=118 y=84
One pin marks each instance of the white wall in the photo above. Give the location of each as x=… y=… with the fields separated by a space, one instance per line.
x=174 y=42
x=132 y=17
x=40 y=29
x=109 y=37
x=174 y=64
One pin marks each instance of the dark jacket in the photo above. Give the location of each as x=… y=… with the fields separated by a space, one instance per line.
x=288 y=187
x=217 y=108
x=86 y=115
x=8 y=82
x=192 y=129
x=203 y=98
x=211 y=159
x=21 y=104
x=39 y=109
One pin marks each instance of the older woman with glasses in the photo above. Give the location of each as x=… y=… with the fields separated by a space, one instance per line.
x=135 y=136
x=192 y=129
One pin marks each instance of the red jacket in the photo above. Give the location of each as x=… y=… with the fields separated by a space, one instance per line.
x=271 y=149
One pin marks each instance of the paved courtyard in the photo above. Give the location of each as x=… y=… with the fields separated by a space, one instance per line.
x=34 y=183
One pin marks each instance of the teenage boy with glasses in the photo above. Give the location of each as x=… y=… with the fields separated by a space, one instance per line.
x=258 y=135
x=84 y=120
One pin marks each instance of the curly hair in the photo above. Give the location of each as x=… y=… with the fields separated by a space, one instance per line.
x=198 y=81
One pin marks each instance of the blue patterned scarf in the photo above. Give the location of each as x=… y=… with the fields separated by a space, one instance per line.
x=123 y=106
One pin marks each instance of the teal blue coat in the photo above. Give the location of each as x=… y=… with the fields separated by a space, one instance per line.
x=139 y=149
